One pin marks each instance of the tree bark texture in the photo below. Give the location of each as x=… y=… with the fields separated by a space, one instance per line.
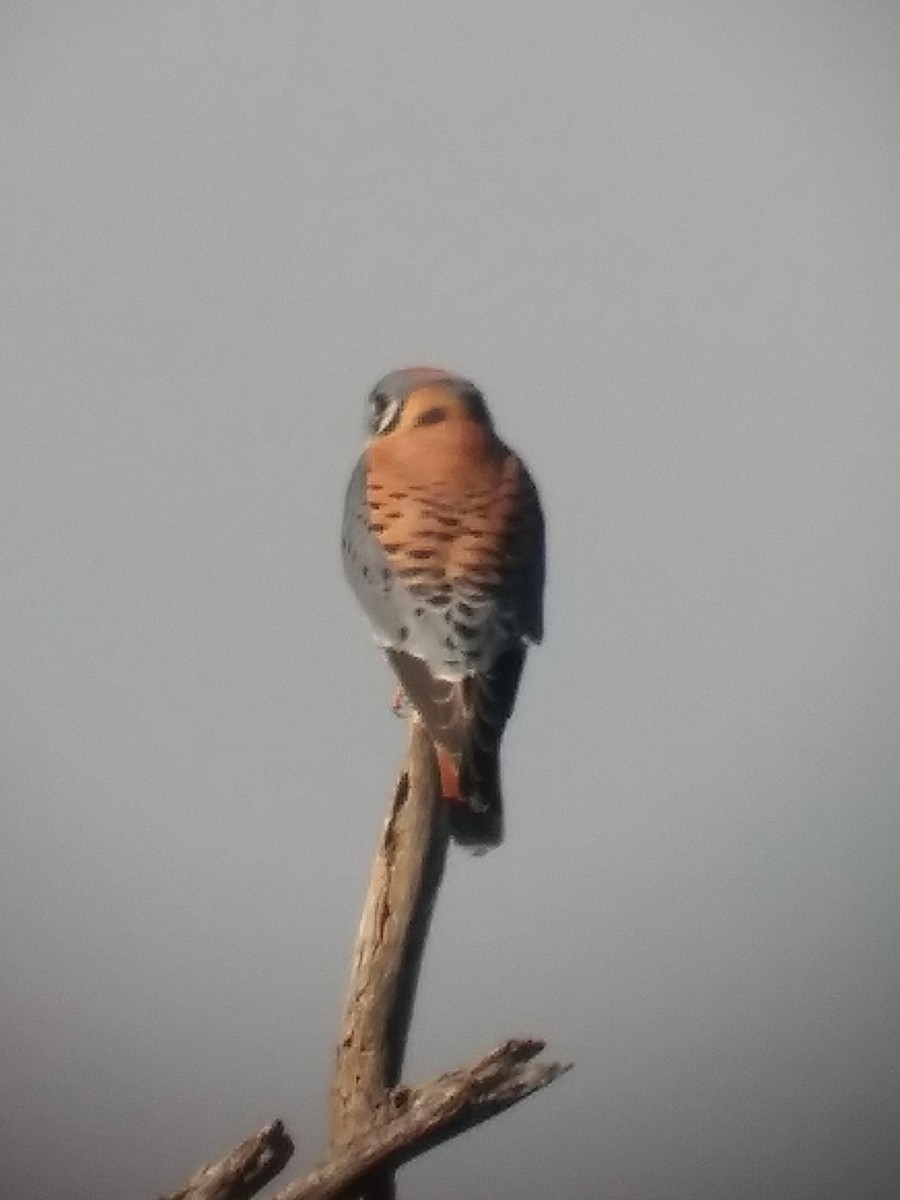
x=377 y=1124
x=243 y=1171
x=424 y=1117
x=405 y=877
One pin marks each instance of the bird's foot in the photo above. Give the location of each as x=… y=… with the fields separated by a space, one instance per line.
x=400 y=705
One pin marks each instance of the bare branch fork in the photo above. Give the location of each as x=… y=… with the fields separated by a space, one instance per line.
x=376 y=1123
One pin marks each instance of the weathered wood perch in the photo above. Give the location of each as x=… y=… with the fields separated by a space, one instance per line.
x=405 y=877
x=243 y=1171
x=376 y=1123
x=426 y=1116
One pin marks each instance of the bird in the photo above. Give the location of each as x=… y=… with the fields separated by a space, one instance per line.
x=443 y=542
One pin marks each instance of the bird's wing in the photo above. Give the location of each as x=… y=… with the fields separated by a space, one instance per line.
x=404 y=615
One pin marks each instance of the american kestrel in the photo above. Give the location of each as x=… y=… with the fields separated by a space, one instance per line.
x=443 y=543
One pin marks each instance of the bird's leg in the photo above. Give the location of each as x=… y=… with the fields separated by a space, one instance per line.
x=447 y=768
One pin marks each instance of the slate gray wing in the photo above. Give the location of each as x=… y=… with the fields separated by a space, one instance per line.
x=401 y=618
x=365 y=563
x=523 y=590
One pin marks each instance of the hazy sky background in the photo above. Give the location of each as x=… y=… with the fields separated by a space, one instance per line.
x=665 y=238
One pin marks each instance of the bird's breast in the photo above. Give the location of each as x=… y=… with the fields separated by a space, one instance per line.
x=442 y=500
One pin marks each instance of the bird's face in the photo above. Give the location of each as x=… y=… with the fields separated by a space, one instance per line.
x=417 y=397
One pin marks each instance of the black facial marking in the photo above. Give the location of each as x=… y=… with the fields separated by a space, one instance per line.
x=378 y=402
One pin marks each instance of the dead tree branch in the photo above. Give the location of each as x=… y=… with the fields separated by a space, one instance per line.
x=243 y=1171
x=376 y=1124
x=426 y=1116
x=404 y=881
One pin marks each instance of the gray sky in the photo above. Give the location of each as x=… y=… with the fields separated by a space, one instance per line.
x=664 y=238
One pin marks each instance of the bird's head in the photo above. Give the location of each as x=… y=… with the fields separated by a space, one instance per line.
x=419 y=396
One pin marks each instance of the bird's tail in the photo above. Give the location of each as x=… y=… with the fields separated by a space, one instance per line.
x=466 y=719
x=471 y=789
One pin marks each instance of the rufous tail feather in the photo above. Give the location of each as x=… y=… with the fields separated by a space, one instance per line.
x=449 y=776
